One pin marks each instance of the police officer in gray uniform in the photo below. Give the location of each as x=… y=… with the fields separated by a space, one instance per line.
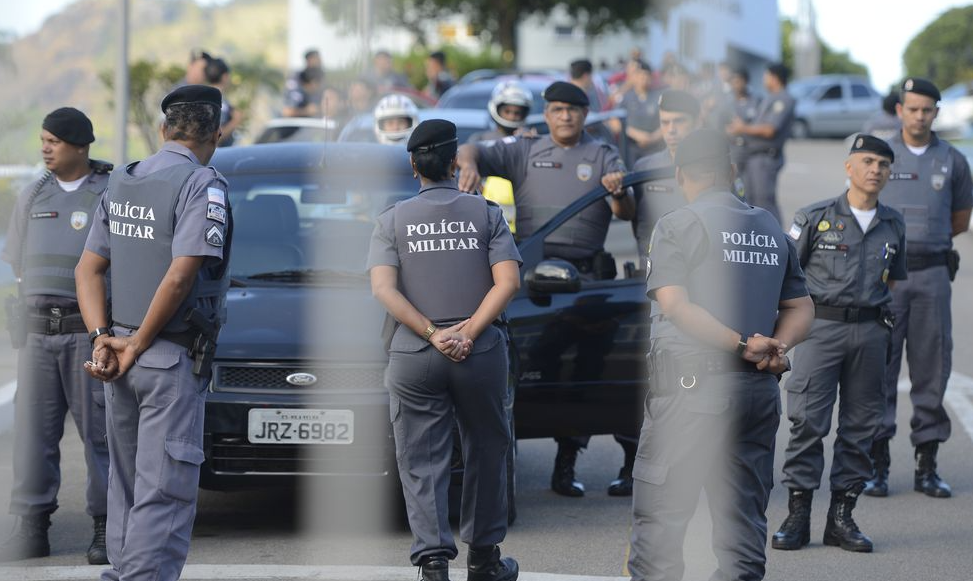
x=164 y=229
x=548 y=173
x=448 y=356
x=732 y=300
x=678 y=117
x=852 y=250
x=44 y=241
x=765 y=136
x=741 y=104
x=930 y=185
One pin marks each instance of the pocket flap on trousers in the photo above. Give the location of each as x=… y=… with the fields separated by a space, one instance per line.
x=158 y=359
x=185 y=451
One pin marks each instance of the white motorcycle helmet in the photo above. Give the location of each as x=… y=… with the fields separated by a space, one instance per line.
x=510 y=93
x=395 y=106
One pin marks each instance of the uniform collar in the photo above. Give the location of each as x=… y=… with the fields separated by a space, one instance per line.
x=585 y=138
x=843 y=207
x=173 y=147
x=446 y=184
x=933 y=140
x=715 y=194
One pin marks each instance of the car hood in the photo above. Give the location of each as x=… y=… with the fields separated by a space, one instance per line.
x=287 y=322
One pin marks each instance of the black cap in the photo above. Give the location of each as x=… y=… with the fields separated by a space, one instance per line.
x=430 y=134
x=677 y=101
x=922 y=87
x=566 y=93
x=193 y=94
x=703 y=145
x=865 y=142
x=69 y=124
x=780 y=71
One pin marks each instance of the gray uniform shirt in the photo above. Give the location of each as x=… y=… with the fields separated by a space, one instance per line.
x=746 y=109
x=546 y=178
x=775 y=109
x=844 y=266
x=200 y=208
x=15 y=229
x=654 y=199
x=927 y=189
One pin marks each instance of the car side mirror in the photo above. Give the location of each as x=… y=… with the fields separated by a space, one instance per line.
x=553 y=276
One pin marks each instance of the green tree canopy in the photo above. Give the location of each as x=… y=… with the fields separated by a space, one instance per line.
x=833 y=62
x=943 y=51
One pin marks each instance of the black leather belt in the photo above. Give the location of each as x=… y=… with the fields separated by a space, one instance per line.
x=924 y=261
x=847 y=314
x=53 y=323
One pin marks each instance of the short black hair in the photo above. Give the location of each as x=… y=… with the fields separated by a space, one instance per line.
x=215 y=69
x=580 y=68
x=191 y=121
x=890 y=101
x=435 y=163
x=438 y=56
x=310 y=53
x=721 y=170
x=742 y=73
x=780 y=71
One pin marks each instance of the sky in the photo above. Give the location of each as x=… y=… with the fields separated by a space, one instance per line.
x=870 y=30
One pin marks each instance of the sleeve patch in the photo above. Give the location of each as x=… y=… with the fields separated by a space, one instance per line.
x=214 y=236
x=216 y=195
x=795 y=231
x=216 y=212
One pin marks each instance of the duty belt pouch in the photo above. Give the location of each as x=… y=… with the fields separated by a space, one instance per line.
x=603 y=266
x=952 y=264
x=16 y=321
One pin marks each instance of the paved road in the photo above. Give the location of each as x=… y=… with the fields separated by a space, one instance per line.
x=278 y=535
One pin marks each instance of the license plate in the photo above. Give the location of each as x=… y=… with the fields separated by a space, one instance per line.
x=301 y=426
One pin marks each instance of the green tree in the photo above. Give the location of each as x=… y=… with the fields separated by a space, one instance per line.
x=942 y=52
x=832 y=62
x=499 y=18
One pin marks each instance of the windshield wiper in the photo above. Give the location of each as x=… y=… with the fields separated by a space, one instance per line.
x=306 y=274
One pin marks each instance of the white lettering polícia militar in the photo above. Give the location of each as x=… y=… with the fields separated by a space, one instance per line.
x=750 y=240
x=439 y=228
x=443 y=244
x=131 y=212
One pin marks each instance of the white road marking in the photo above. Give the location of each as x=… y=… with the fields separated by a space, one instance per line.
x=271 y=572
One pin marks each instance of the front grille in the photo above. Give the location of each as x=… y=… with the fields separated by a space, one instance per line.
x=264 y=377
x=231 y=455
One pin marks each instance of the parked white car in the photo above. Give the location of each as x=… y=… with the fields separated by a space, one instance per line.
x=832 y=105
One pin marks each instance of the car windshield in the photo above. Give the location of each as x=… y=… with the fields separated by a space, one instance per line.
x=476 y=98
x=307 y=227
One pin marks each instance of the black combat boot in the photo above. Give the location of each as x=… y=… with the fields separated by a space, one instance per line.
x=795 y=531
x=841 y=530
x=97 y=553
x=881 y=460
x=622 y=486
x=29 y=541
x=434 y=569
x=927 y=481
x=562 y=480
x=485 y=564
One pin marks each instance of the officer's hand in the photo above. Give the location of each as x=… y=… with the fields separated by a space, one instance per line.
x=104 y=364
x=526 y=132
x=761 y=349
x=735 y=127
x=613 y=181
x=126 y=352
x=777 y=365
x=452 y=343
x=469 y=178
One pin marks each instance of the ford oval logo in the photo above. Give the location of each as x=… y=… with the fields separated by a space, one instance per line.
x=301 y=379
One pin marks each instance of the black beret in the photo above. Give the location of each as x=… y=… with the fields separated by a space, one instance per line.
x=870 y=143
x=703 y=145
x=677 y=101
x=193 y=94
x=432 y=133
x=566 y=93
x=780 y=71
x=922 y=87
x=69 y=124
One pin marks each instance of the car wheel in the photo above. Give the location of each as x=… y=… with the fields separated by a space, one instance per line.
x=800 y=130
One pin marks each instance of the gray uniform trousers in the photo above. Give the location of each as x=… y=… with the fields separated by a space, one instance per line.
x=760 y=181
x=923 y=321
x=718 y=436
x=51 y=381
x=426 y=391
x=155 y=434
x=852 y=355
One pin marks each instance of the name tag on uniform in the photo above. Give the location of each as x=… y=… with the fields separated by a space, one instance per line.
x=41 y=215
x=548 y=164
x=216 y=212
x=903 y=176
x=838 y=247
x=656 y=188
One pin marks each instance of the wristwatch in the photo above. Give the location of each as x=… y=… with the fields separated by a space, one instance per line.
x=741 y=346
x=98 y=333
x=430 y=330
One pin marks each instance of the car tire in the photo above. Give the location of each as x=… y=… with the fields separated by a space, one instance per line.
x=800 y=129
